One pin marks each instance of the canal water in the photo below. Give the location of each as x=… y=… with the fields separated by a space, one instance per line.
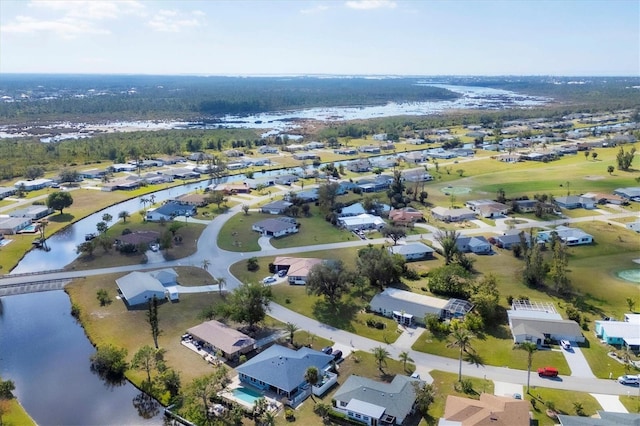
x=46 y=353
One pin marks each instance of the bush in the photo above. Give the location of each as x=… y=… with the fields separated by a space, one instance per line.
x=467 y=386
x=411 y=274
x=75 y=310
x=126 y=231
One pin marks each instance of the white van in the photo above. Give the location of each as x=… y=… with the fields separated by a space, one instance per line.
x=629 y=380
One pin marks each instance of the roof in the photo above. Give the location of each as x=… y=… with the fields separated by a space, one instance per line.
x=277 y=205
x=298 y=266
x=275 y=225
x=361 y=220
x=411 y=248
x=192 y=198
x=282 y=367
x=490 y=409
x=607 y=418
x=532 y=305
x=139 y=237
x=352 y=210
x=165 y=276
x=136 y=283
x=622 y=329
x=445 y=212
x=418 y=305
x=548 y=326
x=221 y=336
x=396 y=398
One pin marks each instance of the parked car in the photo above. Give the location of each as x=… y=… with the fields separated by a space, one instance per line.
x=548 y=372
x=629 y=380
x=566 y=345
x=337 y=355
x=327 y=350
x=282 y=273
x=269 y=280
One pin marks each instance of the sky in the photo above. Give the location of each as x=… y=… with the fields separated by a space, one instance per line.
x=354 y=37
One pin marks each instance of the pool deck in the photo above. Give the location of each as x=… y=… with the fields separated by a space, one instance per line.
x=272 y=404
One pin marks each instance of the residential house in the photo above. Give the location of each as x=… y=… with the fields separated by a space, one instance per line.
x=276 y=207
x=266 y=149
x=369 y=149
x=569 y=236
x=440 y=153
x=230 y=188
x=414 y=157
x=308 y=196
x=315 y=145
x=13 y=225
x=405 y=215
x=488 y=410
x=122 y=167
x=277 y=227
x=537 y=322
x=6 y=192
x=346 y=151
x=415 y=141
x=138 y=238
x=621 y=333
x=355 y=209
x=235 y=166
x=416 y=175
x=379 y=137
x=305 y=156
x=574 y=202
x=525 y=206
x=407 y=307
x=601 y=198
x=260 y=182
x=361 y=222
x=170 y=210
x=359 y=166
x=508 y=158
x=601 y=418
x=297 y=268
x=477 y=245
x=286 y=179
x=182 y=173
x=376 y=184
x=452 y=215
x=281 y=370
x=488 y=208
x=233 y=153
x=413 y=251
x=374 y=403
x=628 y=193
x=141 y=287
x=156 y=178
x=33 y=185
x=92 y=173
x=463 y=152
x=512 y=238
x=384 y=163
x=294 y=147
x=193 y=199
x=220 y=337
x=33 y=212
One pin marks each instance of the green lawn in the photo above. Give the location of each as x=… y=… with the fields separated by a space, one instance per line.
x=563 y=401
x=16 y=415
x=631 y=403
x=446 y=384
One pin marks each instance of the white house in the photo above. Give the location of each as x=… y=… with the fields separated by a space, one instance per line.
x=33 y=185
x=569 y=236
x=413 y=251
x=361 y=221
x=452 y=215
x=407 y=307
x=535 y=322
x=140 y=287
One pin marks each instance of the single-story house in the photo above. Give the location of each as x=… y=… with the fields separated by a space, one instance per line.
x=305 y=196
x=369 y=149
x=440 y=153
x=276 y=227
x=575 y=201
x=599 y=419
x=452 y=215
x=194 y=199
x=294 y=147
x=405 y=215
x=489 y=409
x=621 y=333
x=361 y=221
x=569 y=236
x=630 y=192
x=170 y=210
x=281 y=370
x=276 y=207
x=138 y=238
x=33 y=212
x=601 y=198
x=352 y=210
x=92 y=173
x=512 y=238
x=260 y=182
x=376 y=184
x=526 y=206
x=407 y=307
x=414 y=157
x=477 y=245
x=413 y=251
x=230 y=188
x=12 y=225
x=266 y=149
x=121 y=167
x=376 y=403
x=418 y=175
x=359 y=166
x=33 y=185
x=297 y=268
x=140 y=287
x=315 y=145
x=535 y=322
x=231 y=342
x=488 y=208
x=286 y=179
x=305 y=156
x=6 y=191
x=346 y=151
x=182 y=173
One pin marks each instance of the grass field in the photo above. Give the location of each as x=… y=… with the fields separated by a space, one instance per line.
x=16 y=415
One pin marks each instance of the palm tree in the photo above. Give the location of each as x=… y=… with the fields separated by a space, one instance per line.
x=448 y=240
x=461 y=338
x=291 y=329
x=152 y=199
x=222 y=283
x=380 y=354
x=312 y=376
x=530 y=347
x=123 y=215
x=144 y=201
x=205 y=264
x=404 y=357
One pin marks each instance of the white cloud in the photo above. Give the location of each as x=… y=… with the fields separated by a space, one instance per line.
x=317 y=9
x=70 y=19
x=173 y=21
x=371 y=4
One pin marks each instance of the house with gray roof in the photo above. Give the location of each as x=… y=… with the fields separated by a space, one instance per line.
x=12 y=225
x=575 y=202
x=452 y=215
x=352 y=210
x=33 y=185
x=376 y=403
x=170 y=210
x=276 y=207
x=413 y=251
x=6 y=191
x=276 y=227
x=602 y=418
x=281 y=370
x=477 y=245
x=537 y=322
x=140 y=287
x=569 y=236
x=512 y=238
x=406 y=307
x=34 y=212
x=630 y=192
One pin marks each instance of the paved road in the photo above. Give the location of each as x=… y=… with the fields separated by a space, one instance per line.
x=221 y=260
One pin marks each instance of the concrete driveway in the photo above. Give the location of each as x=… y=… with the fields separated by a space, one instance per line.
x=610 y=403
x=577 y=362
x=507 y=389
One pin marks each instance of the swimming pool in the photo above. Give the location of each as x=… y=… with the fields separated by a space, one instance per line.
x=29 y=229
x=247 y=395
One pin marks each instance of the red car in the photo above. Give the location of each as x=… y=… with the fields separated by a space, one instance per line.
x=548 y=372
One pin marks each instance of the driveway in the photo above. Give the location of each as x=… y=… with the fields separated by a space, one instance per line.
x=577 y=362
x=507 y=389
x=610 y=403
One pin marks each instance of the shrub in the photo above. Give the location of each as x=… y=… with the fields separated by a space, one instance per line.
x=467 y=386
x=411 y=274
x=126 y=231
x=75 y=310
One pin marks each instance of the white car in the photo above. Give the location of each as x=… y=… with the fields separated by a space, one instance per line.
x=629 y=380
x=566 y=345
x=269 y=280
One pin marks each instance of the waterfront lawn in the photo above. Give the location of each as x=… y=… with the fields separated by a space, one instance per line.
x=16 y=415
x=100 y=259
x=446 y=384
x=494 y=347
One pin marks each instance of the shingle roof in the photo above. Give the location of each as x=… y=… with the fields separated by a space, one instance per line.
x=136 y=282
x=222 y=336
x=396 y=397
x=282 y=367
x=411 y=248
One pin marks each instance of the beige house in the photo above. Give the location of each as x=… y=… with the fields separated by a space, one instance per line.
x=221 y=337
x=489 y=410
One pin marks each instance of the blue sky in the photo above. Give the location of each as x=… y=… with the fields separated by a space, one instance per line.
x=379 y=37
